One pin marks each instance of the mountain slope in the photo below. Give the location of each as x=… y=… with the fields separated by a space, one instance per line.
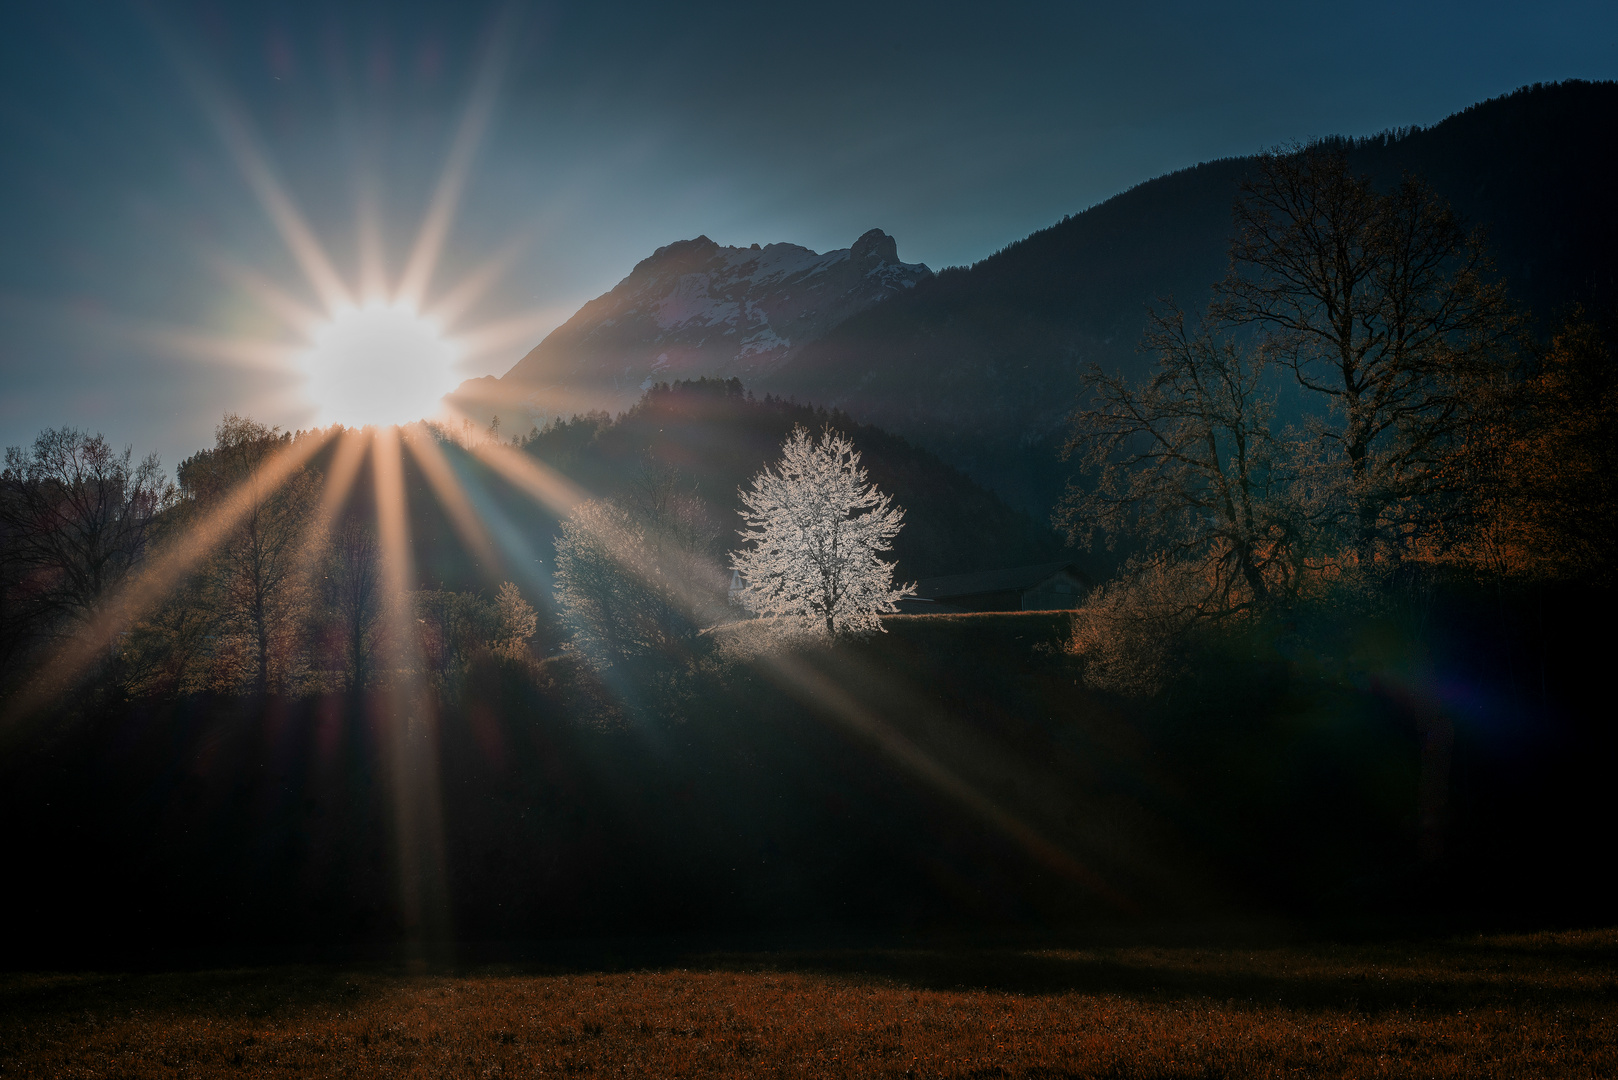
x=697 y=309
x=982 y=364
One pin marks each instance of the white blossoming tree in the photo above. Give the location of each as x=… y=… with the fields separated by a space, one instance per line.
x=817 y=528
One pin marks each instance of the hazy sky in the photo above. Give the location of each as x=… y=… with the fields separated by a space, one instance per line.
x=144 y=148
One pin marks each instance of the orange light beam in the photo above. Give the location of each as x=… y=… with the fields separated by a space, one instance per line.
x=239 y=352
x=373 y=258
x=441 y=211
x=163 y=571
x=345 y=467
x=233 y=130
x=294 y=312
x=808 y=685
x=452 y=497
x=408 y=723
x=540 y=482
x=472 y=287
x=499 y=336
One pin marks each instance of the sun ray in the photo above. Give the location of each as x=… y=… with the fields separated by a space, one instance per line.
x=500 y=336
x=451 y=496
x=798 y=678
x=539 y=481
x=407 y=719
x=345 y=466
x=246 y=353
x=794 y=675
x=518 y=554
x=469 y=133
x=230 y=124
x=163 y=571
x=340 y=477
x=243 y=353
x=373 y=257
x=294 y=312
x=475 y=285
x=295 y=232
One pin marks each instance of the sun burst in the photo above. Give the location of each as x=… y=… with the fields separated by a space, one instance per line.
x=378 y=364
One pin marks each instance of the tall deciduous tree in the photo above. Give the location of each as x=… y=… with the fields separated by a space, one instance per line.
x=1546 y=465
x=75 y=517
x=515 y=622
x=261 y=569
x=353 y=588
x=1384 y=304
x=626 y=590
x=1188 y=464
x=636 y=576
x=818 y=528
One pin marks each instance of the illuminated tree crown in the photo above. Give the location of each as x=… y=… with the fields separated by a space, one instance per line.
x=817 y=528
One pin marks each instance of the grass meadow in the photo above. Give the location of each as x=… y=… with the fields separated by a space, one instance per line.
x=1543 y=1005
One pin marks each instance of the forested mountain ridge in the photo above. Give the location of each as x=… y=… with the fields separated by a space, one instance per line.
x=982 y=364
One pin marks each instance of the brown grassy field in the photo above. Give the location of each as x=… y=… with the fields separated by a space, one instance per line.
x=1529 y=1006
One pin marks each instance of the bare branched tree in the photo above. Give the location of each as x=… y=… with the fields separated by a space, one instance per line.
x=1189 y=465
x=76 y=517
x=1383 y=303
x=261 y=570
x=353 y=595
x=627 y=592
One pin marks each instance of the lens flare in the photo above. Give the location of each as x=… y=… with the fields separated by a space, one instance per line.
x=379 y=364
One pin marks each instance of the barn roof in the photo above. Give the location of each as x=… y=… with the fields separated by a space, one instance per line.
x=1013 y=579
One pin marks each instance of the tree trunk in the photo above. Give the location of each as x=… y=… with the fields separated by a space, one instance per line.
x=261 y=632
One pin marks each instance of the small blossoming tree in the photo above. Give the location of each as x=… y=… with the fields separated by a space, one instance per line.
x=817 y=528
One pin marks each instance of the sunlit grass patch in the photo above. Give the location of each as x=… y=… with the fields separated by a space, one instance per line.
x=1539 y=1005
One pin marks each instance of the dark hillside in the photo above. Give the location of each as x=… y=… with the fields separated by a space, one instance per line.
x=715 y=437
x=982 y=364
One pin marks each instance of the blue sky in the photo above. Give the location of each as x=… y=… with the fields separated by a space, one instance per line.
x=131 y=222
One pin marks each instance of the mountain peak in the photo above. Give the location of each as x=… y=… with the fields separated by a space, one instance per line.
x=875 y=246
x=695 y=308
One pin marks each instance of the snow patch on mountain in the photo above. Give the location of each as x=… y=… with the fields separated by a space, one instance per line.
x=695 y=308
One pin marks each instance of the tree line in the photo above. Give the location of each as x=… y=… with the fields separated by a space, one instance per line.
x=1360 y=408
x=288 y=601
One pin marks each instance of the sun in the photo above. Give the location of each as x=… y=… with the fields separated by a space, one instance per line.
x=379 y=364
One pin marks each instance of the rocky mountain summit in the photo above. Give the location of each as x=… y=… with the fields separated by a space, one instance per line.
x=694 y=308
